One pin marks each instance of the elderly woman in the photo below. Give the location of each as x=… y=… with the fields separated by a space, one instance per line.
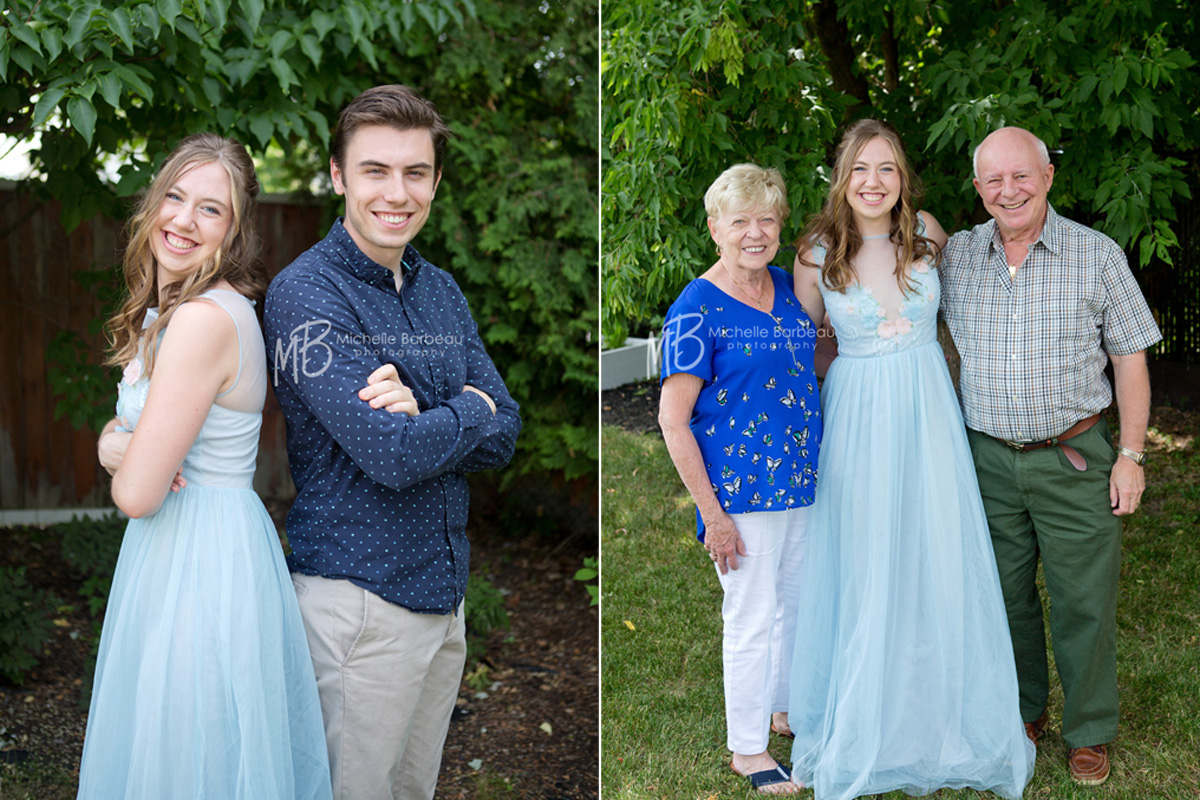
x=741 y=417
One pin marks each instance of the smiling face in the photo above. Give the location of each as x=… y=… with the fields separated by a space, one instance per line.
x=389 y=181
x=748 y=239
x=873 y=188
x=1013 y=180
x=192 y=222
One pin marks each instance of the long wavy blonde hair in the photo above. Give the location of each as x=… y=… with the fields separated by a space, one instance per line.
x=833 y=226
x=236 y=260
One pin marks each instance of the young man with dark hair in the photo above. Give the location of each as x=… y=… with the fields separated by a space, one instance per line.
x=390 y=399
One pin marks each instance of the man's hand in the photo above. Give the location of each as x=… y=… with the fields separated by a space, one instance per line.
x=491 y=403
x=1131 y=380
x=1125 y=486
x=384 y=390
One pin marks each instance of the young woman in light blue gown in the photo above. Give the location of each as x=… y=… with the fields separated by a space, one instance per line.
x=204 y=687
x=903 y=675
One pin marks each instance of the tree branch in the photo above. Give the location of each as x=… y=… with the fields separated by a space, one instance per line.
x=891 y=52
x=834 y=37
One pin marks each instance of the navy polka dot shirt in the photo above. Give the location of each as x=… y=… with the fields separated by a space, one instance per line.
x=382 y=497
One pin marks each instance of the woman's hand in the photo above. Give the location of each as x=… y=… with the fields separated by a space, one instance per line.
x=723 y=542
x=112 y=446
x=384 y=390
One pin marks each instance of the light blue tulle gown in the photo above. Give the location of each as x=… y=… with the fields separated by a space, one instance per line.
x=903 y=676
x=204 y=686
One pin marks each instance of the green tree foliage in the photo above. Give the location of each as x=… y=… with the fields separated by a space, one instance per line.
x=691 y=88
x=515 y=219
x=130 y=77
x=519 y=224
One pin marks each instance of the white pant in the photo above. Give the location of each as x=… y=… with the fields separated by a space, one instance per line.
x=759 y=612
x=387 y=678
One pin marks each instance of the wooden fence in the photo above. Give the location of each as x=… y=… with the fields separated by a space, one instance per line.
x=44 y=462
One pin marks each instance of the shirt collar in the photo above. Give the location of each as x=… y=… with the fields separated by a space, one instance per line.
x=364 y=267
x=1049 y=237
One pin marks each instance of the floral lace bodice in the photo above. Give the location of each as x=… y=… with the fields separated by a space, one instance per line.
x=863 y=326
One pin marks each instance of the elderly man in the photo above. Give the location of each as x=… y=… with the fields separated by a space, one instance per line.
x=1037 y=305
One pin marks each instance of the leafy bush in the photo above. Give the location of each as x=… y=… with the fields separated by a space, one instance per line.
x=484 y=609
x=24 y=623
x=91 y=546
x=590 y=571
x=518 y=223
x=84 y=388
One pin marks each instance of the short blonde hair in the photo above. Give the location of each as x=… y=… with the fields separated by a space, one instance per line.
x=747 y=187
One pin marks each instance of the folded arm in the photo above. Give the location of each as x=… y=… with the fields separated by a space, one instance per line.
x=496 y=448
x=196 y=360
x=314 y=345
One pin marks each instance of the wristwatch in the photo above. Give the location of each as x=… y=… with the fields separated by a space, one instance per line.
x=1133 y=455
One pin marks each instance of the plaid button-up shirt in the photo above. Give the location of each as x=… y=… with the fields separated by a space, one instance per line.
x=1034 y=349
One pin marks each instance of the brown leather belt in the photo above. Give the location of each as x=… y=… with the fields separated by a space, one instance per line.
x=1077 y=461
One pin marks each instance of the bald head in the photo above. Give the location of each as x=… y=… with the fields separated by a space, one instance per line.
x=1012 y=137
x=1013 y=176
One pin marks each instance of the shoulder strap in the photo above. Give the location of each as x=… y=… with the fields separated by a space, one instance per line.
x=818 y=254
x=223 y=298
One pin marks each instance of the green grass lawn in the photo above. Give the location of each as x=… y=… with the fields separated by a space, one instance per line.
x=663 y=727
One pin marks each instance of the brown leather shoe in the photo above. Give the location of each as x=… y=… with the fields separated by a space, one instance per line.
x=1089 y=765
x=1035 y=729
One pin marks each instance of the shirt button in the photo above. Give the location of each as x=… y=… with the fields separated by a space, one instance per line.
x=1016 y=315
x=1014 y=356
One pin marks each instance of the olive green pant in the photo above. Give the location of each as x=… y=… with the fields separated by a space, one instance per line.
x=1038 y=505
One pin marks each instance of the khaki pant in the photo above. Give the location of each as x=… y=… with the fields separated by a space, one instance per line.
x=388 y=678
x=1040 y=507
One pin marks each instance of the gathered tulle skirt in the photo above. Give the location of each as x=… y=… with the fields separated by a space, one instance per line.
x=204 y=686
x=903 y=675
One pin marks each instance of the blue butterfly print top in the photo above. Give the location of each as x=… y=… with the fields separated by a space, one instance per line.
x=758 y=418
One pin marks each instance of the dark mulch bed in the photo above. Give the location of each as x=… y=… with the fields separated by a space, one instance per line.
x=532 y=731
x=633 y=407
x=537 y=731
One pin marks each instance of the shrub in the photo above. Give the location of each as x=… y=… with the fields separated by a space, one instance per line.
x=91 y=547
x=484 y=609
x=590 y=571
x=24 y=623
